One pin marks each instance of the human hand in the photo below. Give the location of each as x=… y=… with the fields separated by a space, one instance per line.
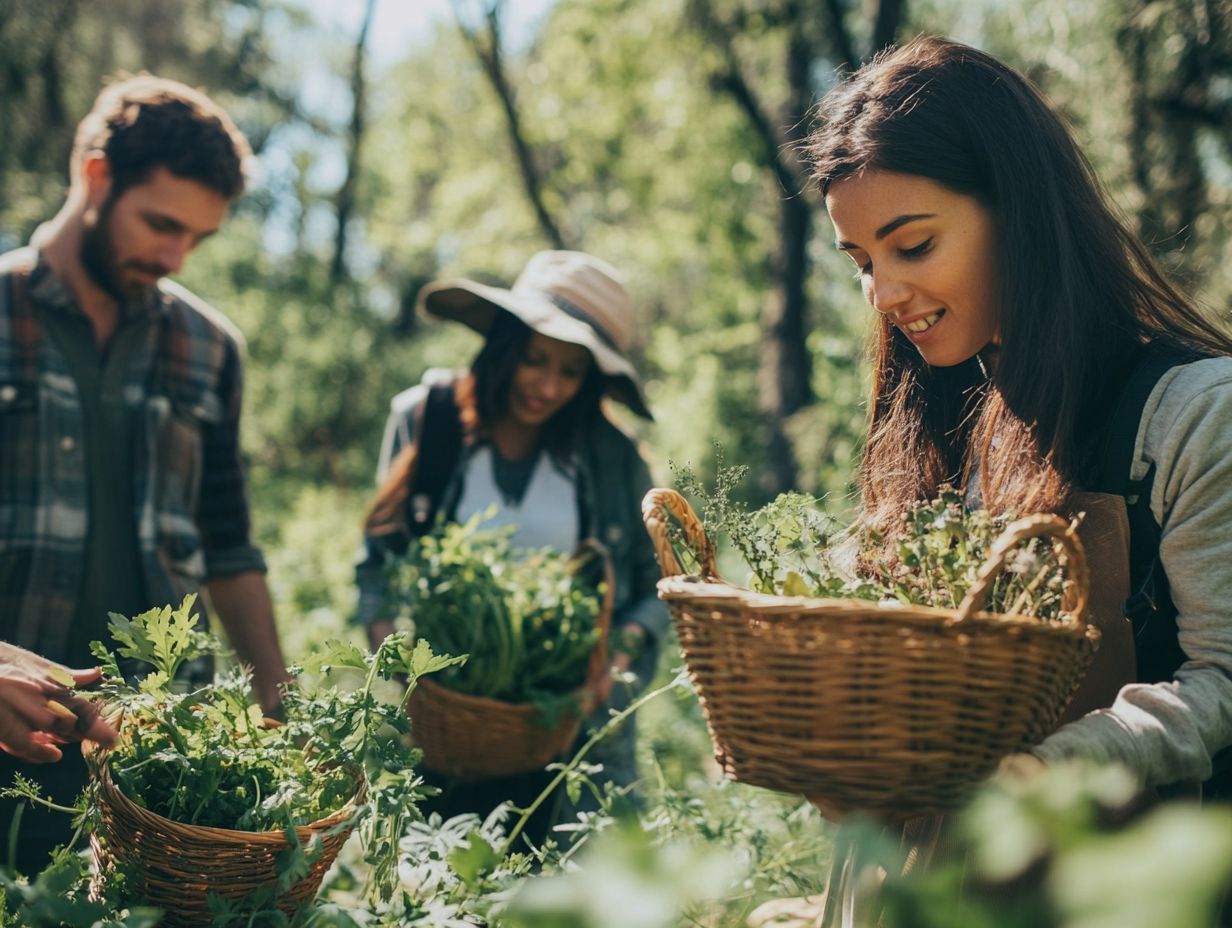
x=624 y=649
x=1019 y=768
x=39 y=710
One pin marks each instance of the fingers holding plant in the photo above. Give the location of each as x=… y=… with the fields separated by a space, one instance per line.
x=40 y=710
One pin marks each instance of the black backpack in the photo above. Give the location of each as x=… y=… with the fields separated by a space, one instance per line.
x=436 y=459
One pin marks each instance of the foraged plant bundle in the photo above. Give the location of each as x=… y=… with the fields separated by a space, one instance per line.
x=940 y=548
x=527 y=619
x=793 y=548
x=208 y=757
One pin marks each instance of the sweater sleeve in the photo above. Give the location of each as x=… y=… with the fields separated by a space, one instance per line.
x=1168 y=732
x=222 y=511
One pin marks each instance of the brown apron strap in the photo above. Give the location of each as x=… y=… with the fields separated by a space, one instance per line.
x=1104 y=532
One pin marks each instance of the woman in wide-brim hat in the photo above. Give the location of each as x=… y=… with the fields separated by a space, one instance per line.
x=524 y=431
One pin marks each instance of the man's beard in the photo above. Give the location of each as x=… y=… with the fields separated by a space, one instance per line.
x=98 y=257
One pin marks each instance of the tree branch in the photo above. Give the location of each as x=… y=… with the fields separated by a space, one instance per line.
x=840 y=36
x=731 y=80
x=487 y=50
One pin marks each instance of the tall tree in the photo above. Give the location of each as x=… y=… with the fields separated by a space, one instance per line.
x=1179 y=59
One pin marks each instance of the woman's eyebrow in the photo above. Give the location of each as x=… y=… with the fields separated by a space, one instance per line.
x=895 y=223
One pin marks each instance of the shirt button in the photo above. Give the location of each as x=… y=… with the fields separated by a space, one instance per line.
x=8 y=393
x=614 y=534
x=67 y=443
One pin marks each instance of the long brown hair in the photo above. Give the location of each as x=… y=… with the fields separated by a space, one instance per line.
x=482 y=397
x=1079 y=292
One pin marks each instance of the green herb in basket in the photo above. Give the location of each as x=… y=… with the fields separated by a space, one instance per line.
x=207 y=757
x=793 y=548
x=527 y=620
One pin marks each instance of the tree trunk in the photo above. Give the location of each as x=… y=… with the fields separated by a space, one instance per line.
x=786 y=369
x=345 y=199
x=885 y=25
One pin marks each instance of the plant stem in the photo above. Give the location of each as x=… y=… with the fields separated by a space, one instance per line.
x=1024 y=598
x=612 y=723
x=48 y=804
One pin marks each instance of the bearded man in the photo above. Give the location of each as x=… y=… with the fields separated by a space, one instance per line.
x=121 y=485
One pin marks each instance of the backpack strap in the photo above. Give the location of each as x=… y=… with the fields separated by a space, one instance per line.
x=1147 y=366
x=1149 y=607
x=438 y=449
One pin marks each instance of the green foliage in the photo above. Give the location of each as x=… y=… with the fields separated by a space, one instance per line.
x=781 y=542
x=941 y=547
x=792 y=548
x=60 y=895
x=1074 y=847
x=525 y=619
x=625 y=881
x=208 y=758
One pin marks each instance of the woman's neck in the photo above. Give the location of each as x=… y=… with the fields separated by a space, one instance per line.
x=513 y=440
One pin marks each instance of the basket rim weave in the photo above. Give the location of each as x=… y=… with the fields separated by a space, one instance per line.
x=677 y=586
x=480 y=703
x=698 y=590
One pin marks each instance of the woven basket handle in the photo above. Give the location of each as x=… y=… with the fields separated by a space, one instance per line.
x=659 y=507
x=1032 y=527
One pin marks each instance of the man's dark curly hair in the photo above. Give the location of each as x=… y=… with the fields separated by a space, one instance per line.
x=145 y=122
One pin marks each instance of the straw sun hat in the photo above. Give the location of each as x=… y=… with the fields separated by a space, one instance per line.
x=566 y=295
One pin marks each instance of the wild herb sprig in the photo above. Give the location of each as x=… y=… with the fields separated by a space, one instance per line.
x=941 y=547
x=780 y=542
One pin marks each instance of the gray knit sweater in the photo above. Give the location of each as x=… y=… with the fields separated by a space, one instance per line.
x=1167 y=732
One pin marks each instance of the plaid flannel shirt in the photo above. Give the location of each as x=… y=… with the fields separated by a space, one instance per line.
x=183 y=390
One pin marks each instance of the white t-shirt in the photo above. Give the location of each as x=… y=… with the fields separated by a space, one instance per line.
x=547 y=514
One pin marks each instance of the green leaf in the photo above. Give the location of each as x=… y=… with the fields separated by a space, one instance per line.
x=164 y=638
x=1170 y=869
x=336 y=653
x=154 y=684
x=423 y=660
x=472 y=860
x=795 y=585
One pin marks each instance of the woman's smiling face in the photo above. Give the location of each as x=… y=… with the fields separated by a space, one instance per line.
x=927 y=257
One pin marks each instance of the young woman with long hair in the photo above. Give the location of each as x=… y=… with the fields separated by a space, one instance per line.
x=1029 y=349
x=524 y=432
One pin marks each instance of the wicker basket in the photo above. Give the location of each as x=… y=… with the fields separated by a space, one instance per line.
x=475 y=738
x=179 y=866
x=890 y=711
